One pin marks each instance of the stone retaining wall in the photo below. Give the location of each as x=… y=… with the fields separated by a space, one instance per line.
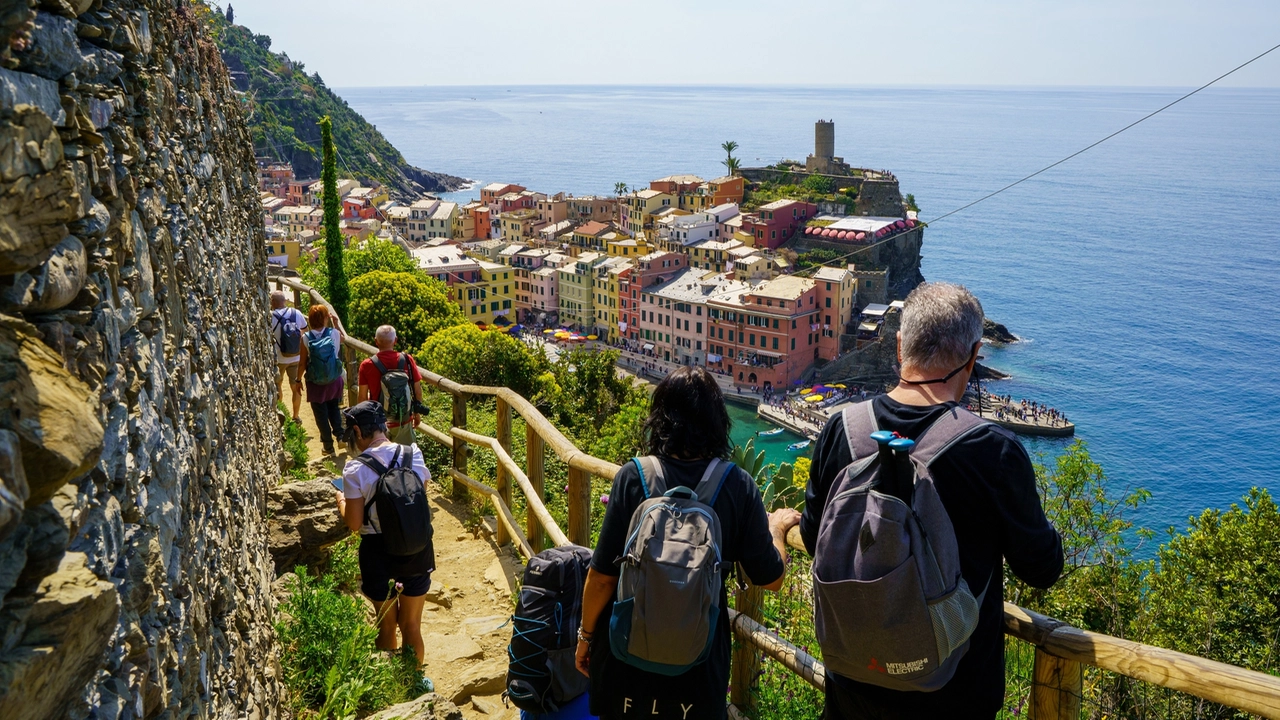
x=137 y=426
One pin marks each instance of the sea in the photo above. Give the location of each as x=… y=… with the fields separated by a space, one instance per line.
x=1142 y=276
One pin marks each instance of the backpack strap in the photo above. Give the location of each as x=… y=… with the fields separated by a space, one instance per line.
x=954 y=425
x=859 y=423
x=402 y=363
x=712 y=480
x=382 y=369
x=651 y=480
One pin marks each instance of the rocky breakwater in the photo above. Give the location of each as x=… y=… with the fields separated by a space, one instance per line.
x=137 y=428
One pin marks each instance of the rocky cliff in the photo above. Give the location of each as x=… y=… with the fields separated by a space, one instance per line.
x=135 y=405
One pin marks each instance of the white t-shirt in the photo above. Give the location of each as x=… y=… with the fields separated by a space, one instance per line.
x=278 y=318
x=359 y=480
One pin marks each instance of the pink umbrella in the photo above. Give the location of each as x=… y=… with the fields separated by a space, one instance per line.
x=808 y=231
x=860 y=236
x=900 y=224
x=911 y=223
x=843 y=235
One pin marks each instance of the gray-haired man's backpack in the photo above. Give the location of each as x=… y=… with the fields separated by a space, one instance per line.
x=890 y=606
x=397 y=389
x=668 y=600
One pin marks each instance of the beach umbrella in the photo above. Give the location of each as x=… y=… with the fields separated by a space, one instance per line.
x=548 y=331
x=592 y=337
x=813 y=398
x=911 y=223
x=841 y=386
x=808 y=230
x=842 y=235
x=860 y=236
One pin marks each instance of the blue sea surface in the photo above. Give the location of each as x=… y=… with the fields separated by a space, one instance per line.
x=1143 y=275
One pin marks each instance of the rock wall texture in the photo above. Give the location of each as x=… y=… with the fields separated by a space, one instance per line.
x=135 y=410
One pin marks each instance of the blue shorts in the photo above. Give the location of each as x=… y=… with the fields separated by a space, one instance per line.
x=379 y=570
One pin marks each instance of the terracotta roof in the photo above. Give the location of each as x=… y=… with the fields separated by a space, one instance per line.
x=592 y=228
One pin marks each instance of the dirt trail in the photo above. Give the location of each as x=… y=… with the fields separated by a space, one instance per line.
x=466 y=623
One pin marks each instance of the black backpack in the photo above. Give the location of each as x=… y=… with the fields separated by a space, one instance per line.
x=541 y=677
x=404 y=515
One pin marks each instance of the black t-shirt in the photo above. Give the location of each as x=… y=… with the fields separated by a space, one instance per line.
x=987 y=484
x=619 y=690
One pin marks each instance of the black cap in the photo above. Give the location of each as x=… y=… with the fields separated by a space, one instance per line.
x=368 y=414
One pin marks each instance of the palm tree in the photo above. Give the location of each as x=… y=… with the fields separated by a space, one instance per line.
x=619 y=188
x=730 y=161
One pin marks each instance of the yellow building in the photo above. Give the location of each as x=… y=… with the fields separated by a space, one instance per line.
x=518 y=225
x=625 y=247
x=283 y=253
x=577 y=291
x=489 y=299
x=642 y=206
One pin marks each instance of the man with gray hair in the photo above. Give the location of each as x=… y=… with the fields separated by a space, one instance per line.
x=986 y=484
x=287 y=325
x=392 y=379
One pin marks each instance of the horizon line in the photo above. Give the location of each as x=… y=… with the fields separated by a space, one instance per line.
x=809 y=86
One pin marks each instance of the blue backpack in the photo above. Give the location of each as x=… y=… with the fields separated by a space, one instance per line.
x=323 y=364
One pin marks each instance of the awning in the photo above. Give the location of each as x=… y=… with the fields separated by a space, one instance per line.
x=647 y=346
x=868 y=327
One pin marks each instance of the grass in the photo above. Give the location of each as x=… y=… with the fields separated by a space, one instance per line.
x=332 y=668
x=295 y=444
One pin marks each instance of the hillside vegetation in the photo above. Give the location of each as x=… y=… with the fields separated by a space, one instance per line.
x=283 y=105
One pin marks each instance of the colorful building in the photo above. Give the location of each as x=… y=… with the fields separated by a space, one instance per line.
x=590 y=208
x=775 y=223
x=765 y=335
x=640 y=208
x=520 y=224
x=283 y=253
x=626 y=247
x=836 y=289
x=589 y=236
x=577 y=290
x=673 y=317
x=712 y=255
x=651 y=269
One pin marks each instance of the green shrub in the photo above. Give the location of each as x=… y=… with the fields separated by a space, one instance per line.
x=331 y=665
x=295 y=445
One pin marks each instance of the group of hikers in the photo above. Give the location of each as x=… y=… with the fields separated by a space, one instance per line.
x=912 y=508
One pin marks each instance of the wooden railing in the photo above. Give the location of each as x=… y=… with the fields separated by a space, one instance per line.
x=1061 y=650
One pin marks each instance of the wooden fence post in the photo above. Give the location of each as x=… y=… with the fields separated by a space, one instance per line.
x=459 y=446
x=353 y=374
x=579 y=502
x=1056 y=688
x=746 y=659
x=503 y=487
x=535 y=463
x=297 y=302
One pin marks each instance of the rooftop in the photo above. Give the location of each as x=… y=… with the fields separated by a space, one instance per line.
x=591 y=228
x=831 y=274
x=779 y=204
x=862 y=223
x=443 y=258
x=682 y=179
x=444 y=211
x=787 y=287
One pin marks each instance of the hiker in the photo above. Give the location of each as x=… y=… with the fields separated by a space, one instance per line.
x=397 y=374
x=321 y=363
x=286 y=327
x=687 y=434
x=379 y=569
x=984 y=484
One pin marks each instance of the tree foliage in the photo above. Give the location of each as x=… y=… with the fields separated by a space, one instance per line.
x=370 y=255
x=417 y=307
x=469 y=355
x=588 y=390
x=338 y=293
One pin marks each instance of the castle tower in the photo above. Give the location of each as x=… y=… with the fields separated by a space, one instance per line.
x=824 y=139
x=824 y=160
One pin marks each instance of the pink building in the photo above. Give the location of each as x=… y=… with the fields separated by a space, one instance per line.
x=775 y=223
x=765 y=335
x=651 y=269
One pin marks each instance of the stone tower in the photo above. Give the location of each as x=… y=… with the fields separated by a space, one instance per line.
x=824 y=160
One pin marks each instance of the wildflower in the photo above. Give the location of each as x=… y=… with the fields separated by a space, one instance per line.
x=399 y=587
x=566 y=488
x=604 y=499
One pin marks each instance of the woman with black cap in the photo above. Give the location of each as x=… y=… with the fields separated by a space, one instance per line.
x=379 y=570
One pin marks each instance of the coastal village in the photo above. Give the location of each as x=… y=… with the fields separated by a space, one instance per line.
x=776 y=279
x=685 y=271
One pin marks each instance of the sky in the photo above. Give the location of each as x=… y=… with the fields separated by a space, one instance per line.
x=381 y=43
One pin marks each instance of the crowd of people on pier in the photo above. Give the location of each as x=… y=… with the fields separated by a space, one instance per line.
x=1023 y=411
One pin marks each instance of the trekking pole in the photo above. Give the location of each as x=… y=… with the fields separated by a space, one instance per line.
x=904 y=474
x=883 y=438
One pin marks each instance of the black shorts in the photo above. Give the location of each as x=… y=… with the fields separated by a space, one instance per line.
x=378 y=570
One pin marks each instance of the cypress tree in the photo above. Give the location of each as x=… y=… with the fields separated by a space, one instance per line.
x=338 y=292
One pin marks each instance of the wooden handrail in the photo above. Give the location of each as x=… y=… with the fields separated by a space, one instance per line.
x=1058 y=645
x=1248 y=690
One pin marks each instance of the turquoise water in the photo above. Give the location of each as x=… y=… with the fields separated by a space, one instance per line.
x=745 y=426
x=1143 y=274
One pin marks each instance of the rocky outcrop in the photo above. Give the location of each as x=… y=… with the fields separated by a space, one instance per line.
x=137 y=422
x=427 y=707
x=996 y=333
x=304 y=524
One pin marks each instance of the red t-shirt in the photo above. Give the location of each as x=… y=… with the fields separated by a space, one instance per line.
x=369 y=375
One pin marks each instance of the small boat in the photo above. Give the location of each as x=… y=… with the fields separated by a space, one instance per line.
x=767 y=433
x=798 y=445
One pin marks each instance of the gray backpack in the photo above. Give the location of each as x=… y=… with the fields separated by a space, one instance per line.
x=669 y=591
x=890 y=606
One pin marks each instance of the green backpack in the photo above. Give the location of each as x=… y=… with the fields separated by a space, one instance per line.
x=323 y=363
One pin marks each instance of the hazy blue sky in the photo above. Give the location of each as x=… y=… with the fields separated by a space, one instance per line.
x=703 y=42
